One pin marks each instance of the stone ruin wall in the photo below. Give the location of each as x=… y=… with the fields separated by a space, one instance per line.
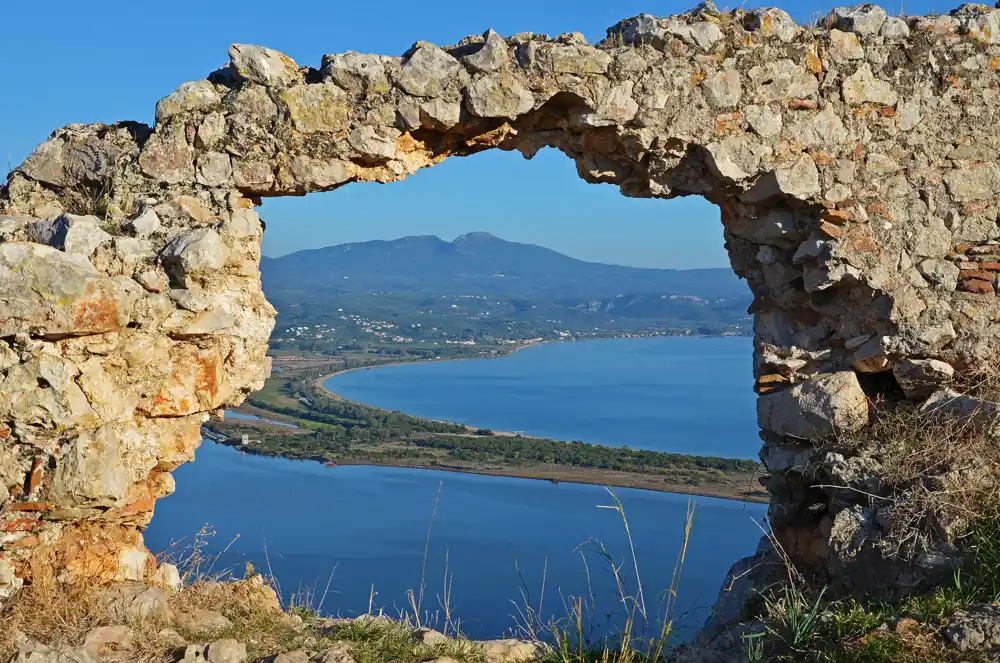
x=855 y=164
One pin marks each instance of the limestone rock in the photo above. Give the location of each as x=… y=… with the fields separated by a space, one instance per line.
x=781 y=80
x=71 y=233
x=973 y=182
x=920 y=378
x=941 y=272
x=438 y=114
x=92 y=470
x=863 y=87
x=226 y=651
x=638 y=30
x=338 y=653
x=429 y=637
x=617 y=106
x=243 y=224
x=133 y=563
x=264 y=66
x=105 y=640
x=313 y=174
x=578 y=59
x=740 y=590
x=908 y=116
x=191 y=96
x=858 y=472
x=703 y=34
x=865 y=20
x=316 y=107
x=845 y=46
x=771 y=22
x=214 y=169
x=799 y=179
x=136 y=601
x=499 y=95
x=950 y=403
x=975 y=628
x=9 y=582
x=734 y=158
x=167 y=577
x=34 y=652
x=776 y=227
x=358 y=72
x=816 y=408
x=490 y=57
x=203 y=622
x=428 y=71
x=145 y=224
x=167 y=157
x=983 y=26
x=71 y=160
x=763 y=121
x=784 y=458
x=295 y=656
x=511 y=651
x=197 y=251
x=371 y=146
x=211 y=130
x=723 y=89
x=895 y=28
x=45 y=164
x=50 y=293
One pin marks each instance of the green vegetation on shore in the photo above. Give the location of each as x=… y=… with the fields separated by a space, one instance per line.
x=330 y=429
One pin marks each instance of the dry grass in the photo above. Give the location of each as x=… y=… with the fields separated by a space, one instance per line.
x=50 y=612
x=60 y=615
x=646 y=632
x=938 y=468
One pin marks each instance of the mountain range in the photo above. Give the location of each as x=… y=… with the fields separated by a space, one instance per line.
x=479 y=263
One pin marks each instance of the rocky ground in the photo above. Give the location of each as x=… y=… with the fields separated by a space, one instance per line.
x=219 y=622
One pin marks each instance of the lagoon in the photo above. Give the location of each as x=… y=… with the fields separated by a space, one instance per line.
x=368 y=527
x=675 y=394
x=497 y=538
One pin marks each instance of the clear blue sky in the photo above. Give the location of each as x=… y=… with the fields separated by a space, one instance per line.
x=70 y=61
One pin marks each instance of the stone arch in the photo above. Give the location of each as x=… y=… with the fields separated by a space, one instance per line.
x=854 y=163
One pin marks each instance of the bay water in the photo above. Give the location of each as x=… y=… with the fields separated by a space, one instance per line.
x=498 y=544
x=679 y=394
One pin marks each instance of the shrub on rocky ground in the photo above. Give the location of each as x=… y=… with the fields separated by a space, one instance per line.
x=938 y=479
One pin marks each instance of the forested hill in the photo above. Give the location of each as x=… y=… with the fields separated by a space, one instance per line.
x=481 y=264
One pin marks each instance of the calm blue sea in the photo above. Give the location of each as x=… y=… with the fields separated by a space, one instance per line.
x=496 y=539
x=687 y=395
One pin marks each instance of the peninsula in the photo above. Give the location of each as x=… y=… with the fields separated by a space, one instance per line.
x=294 y=416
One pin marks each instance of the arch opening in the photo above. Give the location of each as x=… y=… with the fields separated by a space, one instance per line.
x=400 y=281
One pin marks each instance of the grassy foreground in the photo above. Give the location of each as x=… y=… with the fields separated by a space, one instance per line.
x=332 y=430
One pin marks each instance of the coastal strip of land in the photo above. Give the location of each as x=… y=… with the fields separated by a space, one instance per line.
x=297 y=417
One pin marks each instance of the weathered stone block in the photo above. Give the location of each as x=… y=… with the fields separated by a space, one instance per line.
x=816 y=408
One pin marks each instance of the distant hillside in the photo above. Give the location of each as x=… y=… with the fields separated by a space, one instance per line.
x=480 y=263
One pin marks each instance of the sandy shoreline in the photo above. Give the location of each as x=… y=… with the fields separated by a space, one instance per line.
x=567 y=474
x=561 y=474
